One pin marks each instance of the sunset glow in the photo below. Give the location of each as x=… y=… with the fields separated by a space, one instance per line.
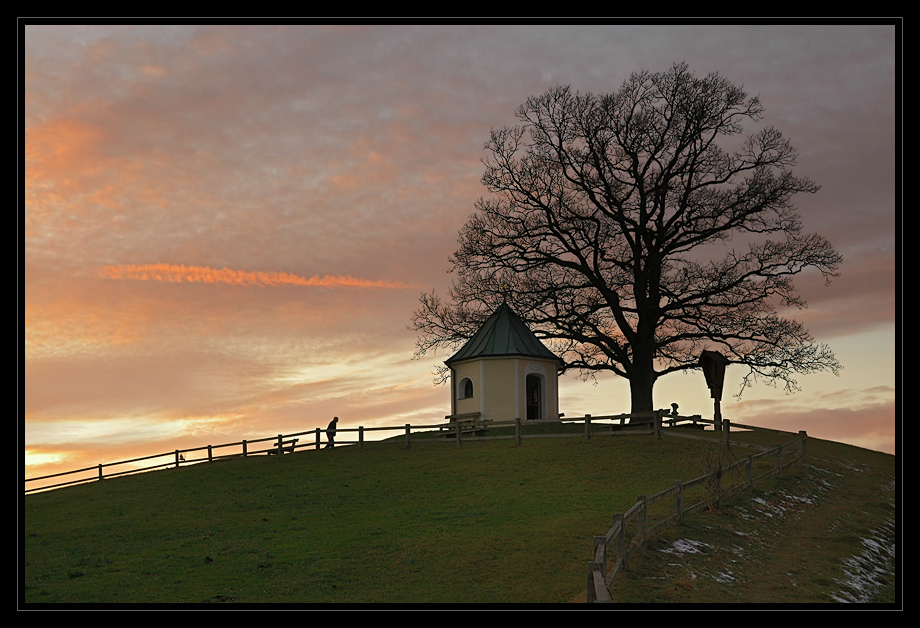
x=227 y=228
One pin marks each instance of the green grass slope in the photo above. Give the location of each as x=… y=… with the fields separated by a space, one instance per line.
x=825 y=533
x=488 y=522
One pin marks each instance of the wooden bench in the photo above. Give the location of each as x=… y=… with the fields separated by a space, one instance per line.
x=689 y=422
x=286 y=446
x=469 y=423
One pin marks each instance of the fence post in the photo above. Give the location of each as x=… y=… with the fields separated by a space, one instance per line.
x=407 y=435
x=597 y=566
x=726 y=428
x=749 y=471
x=802 y=443
x=641 y=518
x=600 y=541
x=244 y=449
x=100 y=471
x=209 y=454
x=718 y=491
x=588 y=426
x=318 y=430
x=779 y=459
x=177 y=462
x=679 y=501
x=459 y=433
x=622 y=546
x=360 y=436
x=656 y=424
x=591 y=594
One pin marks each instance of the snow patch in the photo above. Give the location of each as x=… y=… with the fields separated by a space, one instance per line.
x=724 y=577
x=686 y=546
x=782 y=504
x=828 y=471
x=867 y=572
x=852 y=466
x=768 y=508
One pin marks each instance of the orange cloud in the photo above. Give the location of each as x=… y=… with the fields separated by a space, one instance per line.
x=204 y=274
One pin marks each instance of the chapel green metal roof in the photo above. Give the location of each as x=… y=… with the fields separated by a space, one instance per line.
x=503 y=334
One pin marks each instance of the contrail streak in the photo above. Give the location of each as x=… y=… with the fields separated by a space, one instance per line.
x=204 y=274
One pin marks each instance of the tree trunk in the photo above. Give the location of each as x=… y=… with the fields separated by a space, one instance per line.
x=640 y=393
x=641 y=382
x=642 y=374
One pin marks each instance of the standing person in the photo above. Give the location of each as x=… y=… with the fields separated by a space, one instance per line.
x=330 y=432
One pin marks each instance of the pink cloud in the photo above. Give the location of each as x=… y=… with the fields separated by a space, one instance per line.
x=870 y=425
x=203 y=274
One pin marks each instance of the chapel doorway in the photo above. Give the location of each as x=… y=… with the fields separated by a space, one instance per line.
x=534 y=397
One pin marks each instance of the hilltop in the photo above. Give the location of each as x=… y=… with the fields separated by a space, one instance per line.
x=487 y=523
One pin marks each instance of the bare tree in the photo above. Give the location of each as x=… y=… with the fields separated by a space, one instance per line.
x=611 y=229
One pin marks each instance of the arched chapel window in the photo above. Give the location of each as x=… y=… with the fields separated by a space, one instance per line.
x=465 y=390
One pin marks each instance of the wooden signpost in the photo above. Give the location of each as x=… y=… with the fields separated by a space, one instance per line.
x=713 y=364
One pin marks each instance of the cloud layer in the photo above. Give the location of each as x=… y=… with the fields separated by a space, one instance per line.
x=331 y=168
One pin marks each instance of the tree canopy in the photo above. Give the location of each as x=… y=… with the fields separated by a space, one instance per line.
x=635 y=229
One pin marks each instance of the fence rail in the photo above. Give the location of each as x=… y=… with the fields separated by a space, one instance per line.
x=632 y=528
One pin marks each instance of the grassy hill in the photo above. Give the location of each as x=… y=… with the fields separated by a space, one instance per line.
x=489 y=522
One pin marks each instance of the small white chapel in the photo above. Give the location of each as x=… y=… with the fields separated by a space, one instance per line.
x=504 y=372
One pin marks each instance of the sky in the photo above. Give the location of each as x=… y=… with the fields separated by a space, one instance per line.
x=226 y=229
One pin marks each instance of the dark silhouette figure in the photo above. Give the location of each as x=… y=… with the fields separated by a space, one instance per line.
x=330 y=432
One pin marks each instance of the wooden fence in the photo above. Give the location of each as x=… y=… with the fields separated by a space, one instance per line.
x=450 y=431
x=280 y=444
x=632 y=528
